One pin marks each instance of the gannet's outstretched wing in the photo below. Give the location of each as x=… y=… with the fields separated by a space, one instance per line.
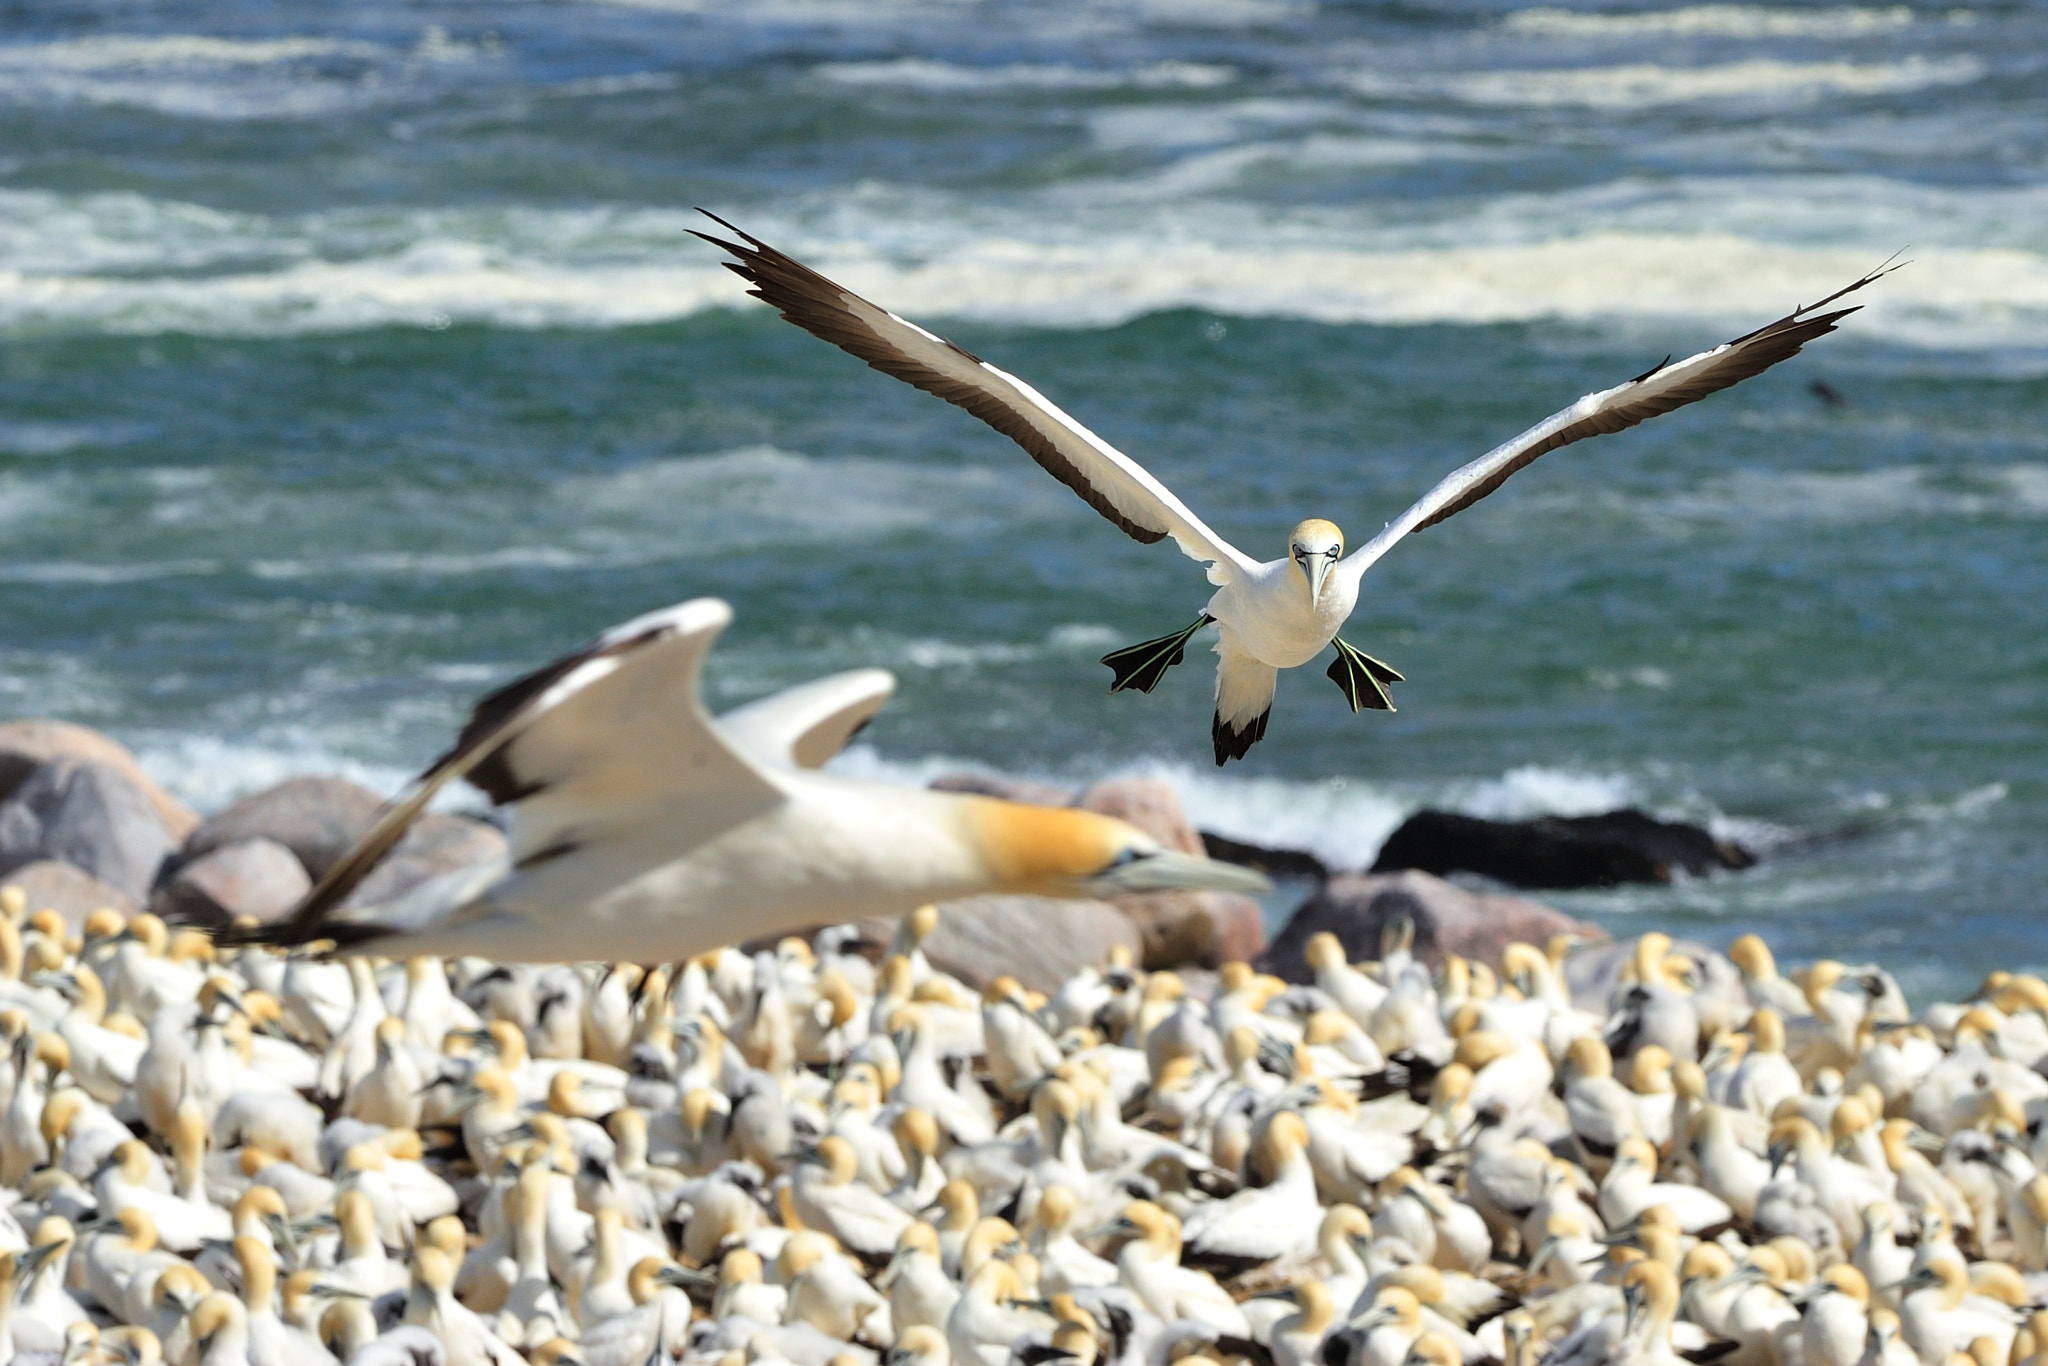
x=804 y=726
x=1109 y=481
x=1658 y=390
x=606 y=752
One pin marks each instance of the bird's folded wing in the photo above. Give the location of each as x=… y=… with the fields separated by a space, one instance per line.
x=804 y=726
x=1658 y=390
x=1106 y=479
x=607 y=744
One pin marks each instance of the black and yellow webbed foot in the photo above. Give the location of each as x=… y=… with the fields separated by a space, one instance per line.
x=1362 y=679
x=1141 y=666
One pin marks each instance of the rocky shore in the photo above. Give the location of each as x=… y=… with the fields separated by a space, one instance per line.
x=82 y=827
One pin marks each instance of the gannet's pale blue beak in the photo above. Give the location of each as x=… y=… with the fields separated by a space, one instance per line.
x=1315 y=567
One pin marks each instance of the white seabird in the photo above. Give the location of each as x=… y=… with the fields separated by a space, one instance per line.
x=644 y=831
x=1271 y=616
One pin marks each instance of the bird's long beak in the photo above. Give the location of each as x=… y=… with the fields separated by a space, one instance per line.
x=1316 y=569
x=1166 y=870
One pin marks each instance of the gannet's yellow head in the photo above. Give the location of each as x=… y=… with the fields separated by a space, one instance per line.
x=1061 y=851
x=1315 y=547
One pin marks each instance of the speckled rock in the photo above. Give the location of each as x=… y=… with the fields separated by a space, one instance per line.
x=1448 y=919
x=1041 y=941
x=27 y=745
x=53 y=885
x=256 y=878
x=435 y=845
x=91 y=815
x=316 y=818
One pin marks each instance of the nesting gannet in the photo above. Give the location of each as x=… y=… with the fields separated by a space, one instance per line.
x=643 y=830
x=1271 y=616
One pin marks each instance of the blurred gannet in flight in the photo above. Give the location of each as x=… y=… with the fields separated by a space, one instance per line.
x=1270 y=616
x=644 y=831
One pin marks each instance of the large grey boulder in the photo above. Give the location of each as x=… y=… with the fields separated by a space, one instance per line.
x=26 y=746
x=1039 y=940
x=436 y=844
x=1357 y=908
x=89 y=814
x=257 y=879
x=53 y=885
x=316 y=818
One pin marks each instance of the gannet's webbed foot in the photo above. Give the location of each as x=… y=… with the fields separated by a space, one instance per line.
x=1141 y=666
x=1362 y=678
x=1232 y=743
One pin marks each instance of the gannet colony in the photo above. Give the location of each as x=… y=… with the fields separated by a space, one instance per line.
x=830 y=1152
x=409 y=1122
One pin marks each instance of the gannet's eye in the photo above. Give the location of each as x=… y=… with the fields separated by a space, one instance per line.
x=1127 y=856
x=1334 y=551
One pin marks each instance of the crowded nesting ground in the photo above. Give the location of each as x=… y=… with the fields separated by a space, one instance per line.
x=830 y=1153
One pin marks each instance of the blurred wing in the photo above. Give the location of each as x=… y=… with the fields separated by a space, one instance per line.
x=803 y=727
x=1661 y=389
x=1107 y=480
x=607 y=750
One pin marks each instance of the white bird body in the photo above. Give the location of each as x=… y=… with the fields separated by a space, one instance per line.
x=643 y=831
x=1271 y=615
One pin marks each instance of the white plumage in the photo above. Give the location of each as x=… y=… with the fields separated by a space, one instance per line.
x=1272 y=615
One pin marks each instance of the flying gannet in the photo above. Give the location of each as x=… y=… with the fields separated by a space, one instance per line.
x=644 y=831
x=1269 y=616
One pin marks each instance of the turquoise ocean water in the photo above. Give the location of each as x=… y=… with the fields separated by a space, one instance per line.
x=355 y=357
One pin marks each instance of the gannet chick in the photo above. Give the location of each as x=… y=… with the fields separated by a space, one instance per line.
x=1270 y=616
x=645 y=831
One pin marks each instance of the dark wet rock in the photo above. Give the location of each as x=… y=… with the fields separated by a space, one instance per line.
x=53 y=885
x=316 y=818
x=1298 y=863
x=436 y=844
x=89 y=814
x=1041 y=941
x=1448 y=919
x=257 y=878
x=1008 y=789
x=1558 y=851
x=27 y=745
